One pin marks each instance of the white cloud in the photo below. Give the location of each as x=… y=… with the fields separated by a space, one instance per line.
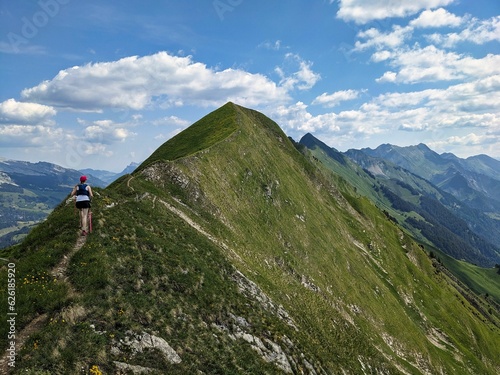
x=399 y=100
x=331 y=100
x=14 y=112
x=171 y=121
x=275 y=46
x=379 y=40
x=472 y=105
x=387 y=77
x=477 y=31
x=294 y=116
x=303 y=79
x=89 y=149
x=363 y=11
x=416 y=63
x=412 y=127
x=431 y=64
x=22 y=136
x=106 y=132
x=381 y=56
x=135 y=82
x=471 y=143
x=436 y=18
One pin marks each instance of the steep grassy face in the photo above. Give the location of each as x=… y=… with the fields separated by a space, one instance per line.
x=312 y=252
x=199 y=136
x=406 y=204
x=247 y=258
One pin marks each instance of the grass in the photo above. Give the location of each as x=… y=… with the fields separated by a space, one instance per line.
x=34 y=258
x=483 y=281
x=329 y=279
x=201 y=135
x=480 y=280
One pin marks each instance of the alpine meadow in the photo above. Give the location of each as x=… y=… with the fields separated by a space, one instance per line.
x=234 y=250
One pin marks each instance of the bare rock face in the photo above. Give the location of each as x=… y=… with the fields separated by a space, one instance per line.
x=137 y=343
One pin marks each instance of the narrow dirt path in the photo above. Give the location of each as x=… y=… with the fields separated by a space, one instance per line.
x=59 y=272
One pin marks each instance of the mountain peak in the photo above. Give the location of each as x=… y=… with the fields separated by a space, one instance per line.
x=423 y=147
x=310 y=140
x=213 y=128
x=205 y=132
x=229 y=238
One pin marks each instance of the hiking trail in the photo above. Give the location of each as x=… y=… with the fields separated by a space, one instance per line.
x=59 y=272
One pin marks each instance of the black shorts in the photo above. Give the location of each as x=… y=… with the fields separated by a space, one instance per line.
x=83 y=204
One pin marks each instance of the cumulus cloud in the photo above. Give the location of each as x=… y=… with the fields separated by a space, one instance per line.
x=293 y=116
x=380 y=40
x=470 y=105
x=303 y=79
x=88 y=149
x=436 y=18
x=381 y=56
x=465 y=104
x=14 y=112
x=23 y=136
x=135 y=82
x=363 y=11
x=331 y=100
x=430 y=64
x=477 y=31
x=387 y=77
x=416 y=63
x=472 y=142
x=413 y=127
x=106 y=132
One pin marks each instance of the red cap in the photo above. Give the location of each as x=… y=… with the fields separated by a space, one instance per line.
x=83 y=178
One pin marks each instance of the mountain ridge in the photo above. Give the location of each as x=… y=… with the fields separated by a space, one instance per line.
x=244 y=257
x=423 y=198
x=481 y=173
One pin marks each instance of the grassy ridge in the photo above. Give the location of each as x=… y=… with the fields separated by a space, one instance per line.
x=289 y=226
x=330 y=281
x=199 y=136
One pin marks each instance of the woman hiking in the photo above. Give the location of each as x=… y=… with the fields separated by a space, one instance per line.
x=83 y=194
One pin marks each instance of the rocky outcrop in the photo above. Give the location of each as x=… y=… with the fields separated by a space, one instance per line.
x=138 y=343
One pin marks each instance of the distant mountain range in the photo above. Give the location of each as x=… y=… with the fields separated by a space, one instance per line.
x=475 y=180
x=443 y=200
x=108 y=177
x=29 y=192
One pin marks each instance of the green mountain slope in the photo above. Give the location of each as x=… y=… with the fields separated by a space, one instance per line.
x=234 y=254
x=429 y=213
x=404 y=197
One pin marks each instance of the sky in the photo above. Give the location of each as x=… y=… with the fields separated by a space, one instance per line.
x=101 y=84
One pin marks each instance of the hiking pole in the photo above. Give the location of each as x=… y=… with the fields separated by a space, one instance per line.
x=90 y=221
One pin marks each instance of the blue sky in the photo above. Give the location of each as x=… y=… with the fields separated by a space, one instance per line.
x=100 y=84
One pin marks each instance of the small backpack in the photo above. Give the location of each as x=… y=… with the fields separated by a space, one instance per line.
x=82 y=190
